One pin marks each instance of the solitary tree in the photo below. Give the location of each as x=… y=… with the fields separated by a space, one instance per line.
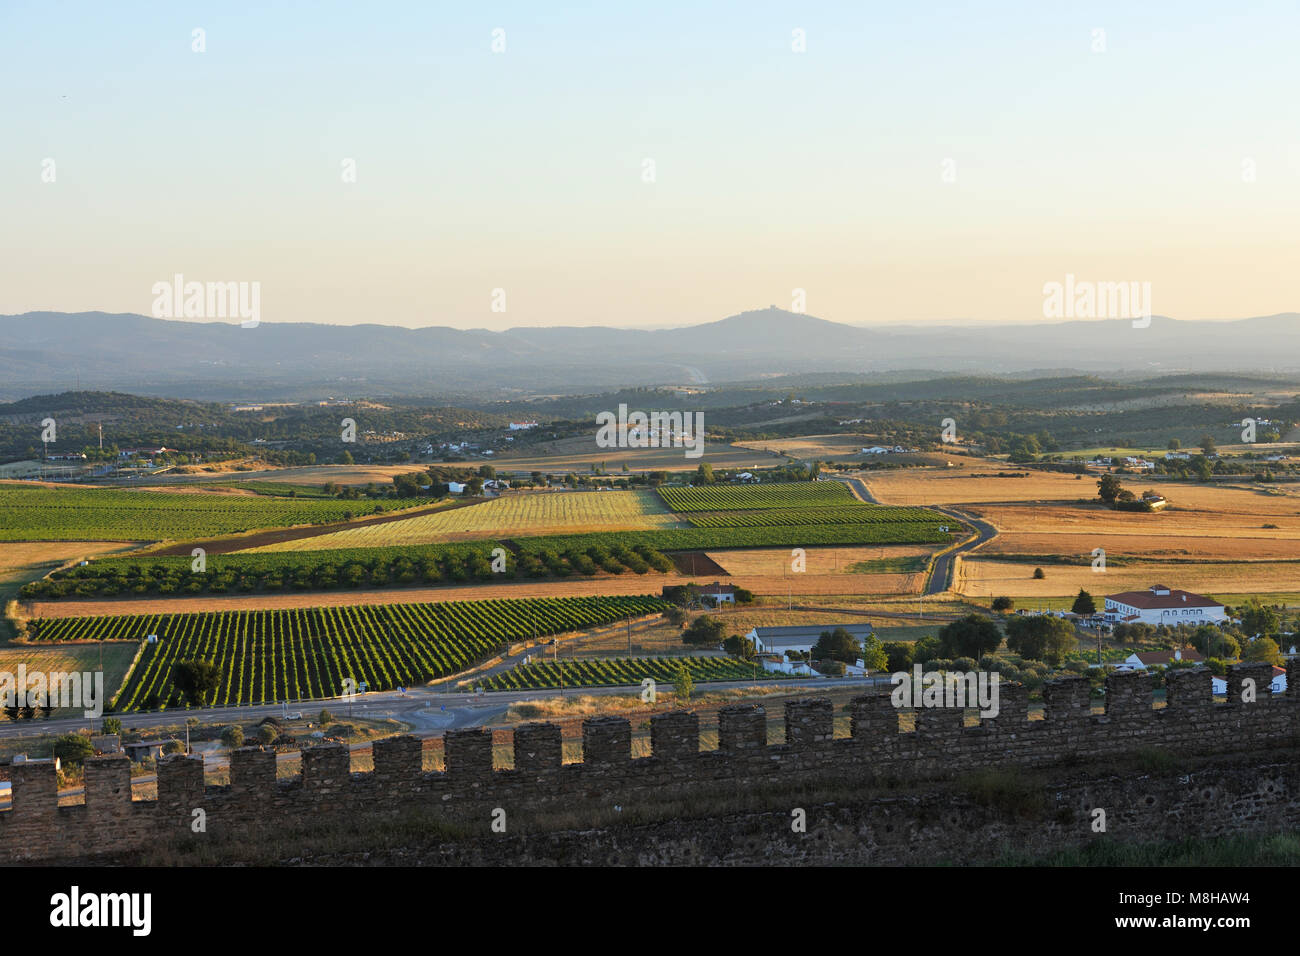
x=1207 y=446
x=1108 y=488
x=1083 y=603
x=705 y=631
x=683 y=685
x=196 y=680
x=1002 y=604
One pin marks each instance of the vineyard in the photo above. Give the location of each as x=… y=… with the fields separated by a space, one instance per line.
x=796 y=494
x=526 y=513
x=456 y=563
x=269 y=656
x=849 y=514
x=111 y=514
x=601 y=672
x=783 y=536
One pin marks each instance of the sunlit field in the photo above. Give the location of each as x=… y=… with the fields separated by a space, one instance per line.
x=521 y=513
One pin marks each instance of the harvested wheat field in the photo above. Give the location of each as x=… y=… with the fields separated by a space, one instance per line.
x=517 y=513
x=981 y=579
x=958 y=485
x=1166 y=547
x=1228 y=522
x=21 y=557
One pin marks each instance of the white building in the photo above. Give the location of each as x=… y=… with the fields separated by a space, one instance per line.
x=778 y=640
x=1145 y=660
x=798 y=668
x=1162 y=605
x=720 y=593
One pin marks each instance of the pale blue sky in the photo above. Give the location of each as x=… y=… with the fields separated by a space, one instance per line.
x=774 y=170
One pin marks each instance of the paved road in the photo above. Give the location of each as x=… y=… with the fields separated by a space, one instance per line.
x=859 y=487
x=941 y=576
x=428 y=710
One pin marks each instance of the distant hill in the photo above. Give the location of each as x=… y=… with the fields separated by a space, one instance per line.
x=44 y=352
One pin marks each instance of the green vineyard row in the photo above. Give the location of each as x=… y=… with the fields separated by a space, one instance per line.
x=848 y=514
x=794 y=494
x=112 y=514
x=298 y=654
x=330 y=570
x=783 y=536
x=622 y=671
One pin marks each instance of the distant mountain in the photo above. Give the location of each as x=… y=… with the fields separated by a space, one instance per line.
x=43 y=352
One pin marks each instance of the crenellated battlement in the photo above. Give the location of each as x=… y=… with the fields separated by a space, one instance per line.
x=944 y=742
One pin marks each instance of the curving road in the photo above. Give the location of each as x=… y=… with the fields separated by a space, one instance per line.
x=941 y=575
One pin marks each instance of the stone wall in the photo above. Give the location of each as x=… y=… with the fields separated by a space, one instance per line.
x=940 y=747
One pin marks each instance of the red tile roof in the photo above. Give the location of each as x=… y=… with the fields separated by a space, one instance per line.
x=1150 y=601
x=1150 y=658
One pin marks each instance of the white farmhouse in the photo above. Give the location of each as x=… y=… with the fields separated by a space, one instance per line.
x=1144 y=660
x=1162 y=605
x=778 y=640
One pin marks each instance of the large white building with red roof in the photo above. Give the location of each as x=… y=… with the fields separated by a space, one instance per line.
x=1159 y=604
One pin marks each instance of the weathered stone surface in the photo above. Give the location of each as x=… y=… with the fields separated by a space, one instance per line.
x=1191 y=725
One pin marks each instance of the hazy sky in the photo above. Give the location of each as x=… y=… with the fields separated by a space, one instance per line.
x=773 y=170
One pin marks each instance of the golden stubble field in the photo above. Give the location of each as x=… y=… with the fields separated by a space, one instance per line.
x=984 y=579
x=1225 y=537
x=957 y=485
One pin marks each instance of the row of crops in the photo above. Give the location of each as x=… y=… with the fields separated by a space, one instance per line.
x=329 y=570
x=849 y=514
x=781 y=536
x=603 y=672
x=794 y=494
x=40 y=513
x=269 y=656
